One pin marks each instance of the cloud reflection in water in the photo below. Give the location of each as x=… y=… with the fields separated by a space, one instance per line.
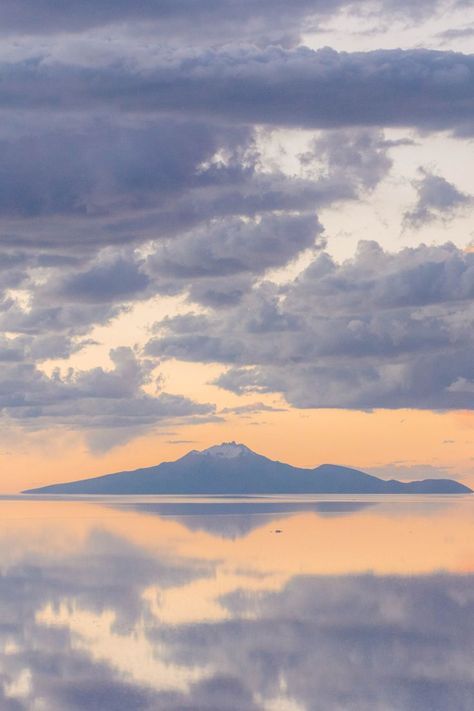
x=121 y=609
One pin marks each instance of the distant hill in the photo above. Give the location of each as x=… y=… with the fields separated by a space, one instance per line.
x=232 y=468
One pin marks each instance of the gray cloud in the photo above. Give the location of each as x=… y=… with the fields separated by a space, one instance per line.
x=94 y=172
x=131 y=168
x=252 y=408
x=378 y=331
x=236 y=246
x=454 y=33
x=171 y=18
x=45 y=328
x=218 y=263
x=360 y=155
x=109 y=406
x=427 y=89
x=436 y=199
x=67 y=192
x=112 y=277
x=261 y=19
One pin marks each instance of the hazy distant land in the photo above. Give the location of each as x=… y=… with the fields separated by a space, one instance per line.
x=232 y=468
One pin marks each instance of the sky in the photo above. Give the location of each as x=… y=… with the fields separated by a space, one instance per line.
x=243 y=221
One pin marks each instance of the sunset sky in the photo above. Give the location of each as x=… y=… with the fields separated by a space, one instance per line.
x=236 y=220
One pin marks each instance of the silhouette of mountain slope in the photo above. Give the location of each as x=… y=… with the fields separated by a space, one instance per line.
x=232 y=468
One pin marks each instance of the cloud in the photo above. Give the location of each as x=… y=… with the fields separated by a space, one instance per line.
x=261 y=19
x=218 y=263
x=108 y=406
x=235 y=247
x=380 y=330
x=454 y=33
x=426 y=89
x=94 y=172
x=112 y=277
x=250 y=409
x=70 y=190
x=437 y=199
x=134 y=165
x=167 y=18
x=358 y=153
x=45 y=328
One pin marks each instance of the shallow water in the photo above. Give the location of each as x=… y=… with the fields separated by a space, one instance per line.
x=317 y=603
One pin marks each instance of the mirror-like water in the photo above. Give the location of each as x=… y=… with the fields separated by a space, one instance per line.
x=311 y=603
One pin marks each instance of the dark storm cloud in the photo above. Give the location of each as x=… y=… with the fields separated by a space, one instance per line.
x=380 y=330
x=430 y=90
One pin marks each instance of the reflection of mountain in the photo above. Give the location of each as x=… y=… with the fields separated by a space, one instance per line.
x=234 y=520
x=232 y=468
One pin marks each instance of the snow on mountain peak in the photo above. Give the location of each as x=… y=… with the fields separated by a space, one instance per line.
x=226 y=450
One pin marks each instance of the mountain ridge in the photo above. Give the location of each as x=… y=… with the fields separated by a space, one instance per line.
x=232 y=468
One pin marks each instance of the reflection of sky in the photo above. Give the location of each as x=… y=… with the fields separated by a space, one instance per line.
x=354 y=608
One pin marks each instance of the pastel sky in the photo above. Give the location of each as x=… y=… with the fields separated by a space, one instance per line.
x=236 y=219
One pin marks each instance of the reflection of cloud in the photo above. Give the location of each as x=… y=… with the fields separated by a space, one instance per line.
x=133 y=611
x=200 y=600
x=282 y=703
x=131 y=654
x=358 y=642
x=19 y=687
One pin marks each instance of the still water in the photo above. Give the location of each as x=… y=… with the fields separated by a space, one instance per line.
x=277 y=604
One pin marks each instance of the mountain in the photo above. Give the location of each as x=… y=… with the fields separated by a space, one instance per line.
x=232 y=468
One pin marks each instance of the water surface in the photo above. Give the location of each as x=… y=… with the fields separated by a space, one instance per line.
x=284 y=604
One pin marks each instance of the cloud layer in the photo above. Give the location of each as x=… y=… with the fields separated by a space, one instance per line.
x=110 y=406
x=141 y=159
x=380 y=330
x=275 y=86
